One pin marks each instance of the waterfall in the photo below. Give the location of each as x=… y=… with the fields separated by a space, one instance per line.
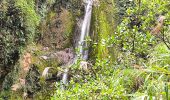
x=85 y=31
x=82 y=45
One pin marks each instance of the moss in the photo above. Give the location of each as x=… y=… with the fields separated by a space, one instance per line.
x=69 y=24
x=103 y=35
x=103 y=24
x=57 y=30
x=69 y=28
x=33 y=77
x=29 y=19
x=45 y=91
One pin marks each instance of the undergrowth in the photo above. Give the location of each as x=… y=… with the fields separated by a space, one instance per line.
x=140 y=70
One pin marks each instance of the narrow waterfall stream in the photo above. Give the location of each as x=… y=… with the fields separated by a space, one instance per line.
x=85 y=31
x=82 y=45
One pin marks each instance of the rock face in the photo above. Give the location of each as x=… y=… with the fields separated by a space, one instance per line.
x=65 y=56
x=57 y=29
x=53 y=24
x=49 y=23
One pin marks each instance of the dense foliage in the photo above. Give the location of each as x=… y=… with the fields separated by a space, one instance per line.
x=22 y=24
x=129 y=47
x=130 y=62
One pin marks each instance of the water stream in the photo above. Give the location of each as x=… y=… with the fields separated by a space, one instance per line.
x=82 y=45
x=85 y=31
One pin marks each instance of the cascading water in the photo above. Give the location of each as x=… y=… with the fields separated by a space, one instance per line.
x=85 y=31
x=83 y=54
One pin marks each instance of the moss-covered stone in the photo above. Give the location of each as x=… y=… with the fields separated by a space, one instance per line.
x=103 y=25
